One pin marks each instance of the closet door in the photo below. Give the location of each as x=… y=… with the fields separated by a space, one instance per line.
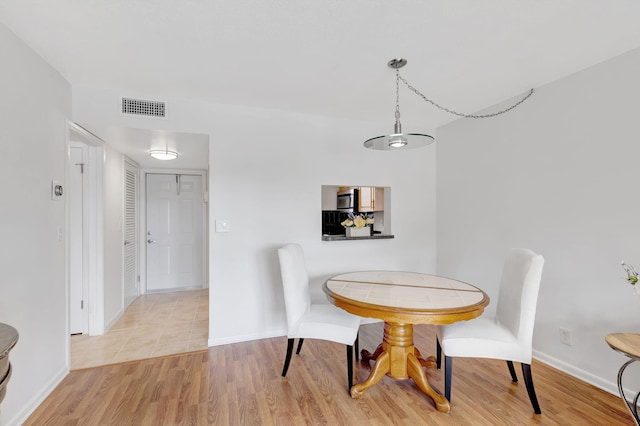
x=130 y=253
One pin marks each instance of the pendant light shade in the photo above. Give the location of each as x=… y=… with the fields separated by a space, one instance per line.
x=398 y=140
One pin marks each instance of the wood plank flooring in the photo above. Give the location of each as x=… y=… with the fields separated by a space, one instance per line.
x=240 y=384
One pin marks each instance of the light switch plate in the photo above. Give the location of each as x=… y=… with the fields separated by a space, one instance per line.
x=222 y=225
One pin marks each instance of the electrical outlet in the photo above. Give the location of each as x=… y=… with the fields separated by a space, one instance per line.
x=565 y=336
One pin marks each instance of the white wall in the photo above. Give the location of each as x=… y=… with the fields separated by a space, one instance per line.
x=113 y=247
x=267 y=168
x=559 y=175
x=35 y=104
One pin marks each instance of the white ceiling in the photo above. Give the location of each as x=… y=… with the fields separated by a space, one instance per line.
x=326 y=57
x=193 y=148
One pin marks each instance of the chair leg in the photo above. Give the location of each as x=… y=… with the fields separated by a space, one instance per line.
x=512 y=370
x=448 y=372
x=438 y=354
x=357 y=345
x=299 y=346
x=528 y=380
x=287 y=358
x=350 y=366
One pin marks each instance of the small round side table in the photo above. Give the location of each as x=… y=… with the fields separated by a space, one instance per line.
x=8 y=339
x=627 y=344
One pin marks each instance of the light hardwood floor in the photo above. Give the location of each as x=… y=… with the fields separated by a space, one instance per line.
x=153 y=325
x=240 y=384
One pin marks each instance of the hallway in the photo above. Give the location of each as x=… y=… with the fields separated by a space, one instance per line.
x=154 y=325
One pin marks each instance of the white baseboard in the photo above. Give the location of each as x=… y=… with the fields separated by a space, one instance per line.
x=247 y=337
x=39 y=398
x=115 y=318
x=585 y=376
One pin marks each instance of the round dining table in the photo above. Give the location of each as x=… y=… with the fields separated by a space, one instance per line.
x=402 y=300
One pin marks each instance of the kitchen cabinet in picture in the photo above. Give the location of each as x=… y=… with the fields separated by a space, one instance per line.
x=371 y=199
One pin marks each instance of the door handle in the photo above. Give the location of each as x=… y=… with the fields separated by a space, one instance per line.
x=150 y=241
x=126 y=242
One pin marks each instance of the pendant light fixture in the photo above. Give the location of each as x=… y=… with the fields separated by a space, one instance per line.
x=397 y=139
x=400 y=140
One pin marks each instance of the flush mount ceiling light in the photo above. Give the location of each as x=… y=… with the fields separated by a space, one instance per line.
x=163 y=154
x=399 y=140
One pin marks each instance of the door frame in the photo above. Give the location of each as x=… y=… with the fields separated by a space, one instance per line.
x=84 y=328
x=143 y=221
x=93 y=226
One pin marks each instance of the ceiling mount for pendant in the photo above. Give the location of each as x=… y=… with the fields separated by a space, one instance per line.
x=397 y=63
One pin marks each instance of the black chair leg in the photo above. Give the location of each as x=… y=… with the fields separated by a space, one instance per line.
x=350 y=366
x=528 y=380
x=448 y=372
x=512 y=370
x=357 y=345
x=438 y=354
x=299 y=346
x=287 y=359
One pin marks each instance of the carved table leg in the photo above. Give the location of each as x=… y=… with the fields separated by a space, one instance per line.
x=366 y=356
x=420 y=378
x=429 y=362
x=380 y=368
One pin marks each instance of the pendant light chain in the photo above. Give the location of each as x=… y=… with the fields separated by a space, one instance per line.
x=417 y=92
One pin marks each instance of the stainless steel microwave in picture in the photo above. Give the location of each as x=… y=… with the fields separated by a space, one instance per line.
x=348 y=200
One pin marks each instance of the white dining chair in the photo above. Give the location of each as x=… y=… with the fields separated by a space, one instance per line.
x=306 y=320
x=509 y=334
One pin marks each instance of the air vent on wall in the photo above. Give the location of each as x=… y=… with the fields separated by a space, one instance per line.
x=141 y=107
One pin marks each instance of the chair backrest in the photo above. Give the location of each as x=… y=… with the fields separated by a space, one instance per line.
x=295 y=282
x=518 y=295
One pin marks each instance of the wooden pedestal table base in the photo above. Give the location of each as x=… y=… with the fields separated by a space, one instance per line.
x=399 y=359
x=401 y=300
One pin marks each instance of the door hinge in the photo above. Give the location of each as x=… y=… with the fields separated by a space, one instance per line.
x=82 y=304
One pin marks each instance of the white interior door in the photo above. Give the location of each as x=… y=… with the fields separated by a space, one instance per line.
x=78 y=322
x=174 y=231
x=130 y=252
